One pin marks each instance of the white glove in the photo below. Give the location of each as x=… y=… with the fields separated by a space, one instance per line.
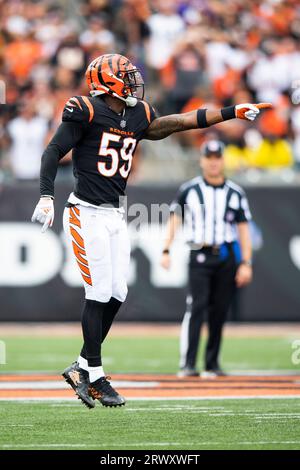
x=250 y=111
x=44 y=213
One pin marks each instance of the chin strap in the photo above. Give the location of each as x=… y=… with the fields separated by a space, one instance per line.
x=130 y=101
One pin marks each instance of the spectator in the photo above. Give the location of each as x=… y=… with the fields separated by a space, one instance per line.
x=166 y=26
x=192 y=53
x=270 y=74
x=273 y=153
x=132 y=29
x=24 y=46
x=295 y=120
x=183 y=74
x=71 y=56
x=97 y=35
x=27 y=134
x=222 y=52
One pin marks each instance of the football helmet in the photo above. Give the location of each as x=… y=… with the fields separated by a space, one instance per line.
x=115 y=75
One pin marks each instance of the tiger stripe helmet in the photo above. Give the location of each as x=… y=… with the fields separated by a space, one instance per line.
x=115 y=75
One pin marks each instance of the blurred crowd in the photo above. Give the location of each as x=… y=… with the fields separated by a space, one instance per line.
x=192 y=53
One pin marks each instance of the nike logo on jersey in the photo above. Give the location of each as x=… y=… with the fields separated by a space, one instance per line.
x=70 y=109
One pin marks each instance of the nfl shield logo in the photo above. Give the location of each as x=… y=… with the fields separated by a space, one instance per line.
x=123 y=123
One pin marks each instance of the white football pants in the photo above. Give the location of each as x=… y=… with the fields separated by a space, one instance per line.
x=101 y=247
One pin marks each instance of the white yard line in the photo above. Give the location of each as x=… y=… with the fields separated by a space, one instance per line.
x=62 y=385
x=18 y=425
x=247 y=397
x=267 y=373
x=235 y=372
x=44 y=385
x=128 y=329
x=147 y=444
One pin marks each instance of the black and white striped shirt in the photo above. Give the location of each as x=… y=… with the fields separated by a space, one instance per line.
x=210 y=213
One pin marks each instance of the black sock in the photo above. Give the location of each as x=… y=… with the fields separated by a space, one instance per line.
x=110 y=311
x=92 y=318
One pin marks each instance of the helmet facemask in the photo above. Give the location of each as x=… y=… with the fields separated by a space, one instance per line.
x=134 y=83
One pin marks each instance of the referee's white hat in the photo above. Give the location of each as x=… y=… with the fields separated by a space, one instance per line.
x=212 y=147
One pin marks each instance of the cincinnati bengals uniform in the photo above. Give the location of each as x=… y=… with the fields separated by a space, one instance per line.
x=103 y=143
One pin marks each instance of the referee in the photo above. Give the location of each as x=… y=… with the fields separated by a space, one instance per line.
x=215 y=214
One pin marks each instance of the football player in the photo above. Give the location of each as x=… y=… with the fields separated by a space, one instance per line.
x=103 y=129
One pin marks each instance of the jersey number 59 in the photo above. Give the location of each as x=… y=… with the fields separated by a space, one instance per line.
x=126 y=154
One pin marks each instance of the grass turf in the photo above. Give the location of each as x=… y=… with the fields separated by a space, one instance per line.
x=150 y=425
x=168 y=425
x=147 y=354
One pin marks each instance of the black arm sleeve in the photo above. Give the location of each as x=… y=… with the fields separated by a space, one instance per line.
x=65 y=138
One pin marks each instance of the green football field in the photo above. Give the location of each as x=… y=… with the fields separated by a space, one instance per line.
x=250 y=423
x=212 y=424
x=145 y=354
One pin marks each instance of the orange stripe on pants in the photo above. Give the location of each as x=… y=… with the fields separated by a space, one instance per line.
x=74 y=219
x=78 y=247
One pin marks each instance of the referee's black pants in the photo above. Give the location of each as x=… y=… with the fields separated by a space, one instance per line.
x=211 y=289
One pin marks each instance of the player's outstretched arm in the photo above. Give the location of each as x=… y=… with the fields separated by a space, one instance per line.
x=65 y=138
x=164 y=126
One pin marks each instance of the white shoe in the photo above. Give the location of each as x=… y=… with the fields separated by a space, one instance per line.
x=188 y=372
x=208 y=374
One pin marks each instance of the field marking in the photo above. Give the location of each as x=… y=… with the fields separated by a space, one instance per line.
x=18 y=425
x=204 y=409
x=278 y=417
x=155 y=387
x=147 y=387
x=245 y=397
x=247 y=372
x=61 y=385
x=65 y=399
x=262 y=372
x=148 y=329
x=198 y=445
x=215 y=413
x=47 y=385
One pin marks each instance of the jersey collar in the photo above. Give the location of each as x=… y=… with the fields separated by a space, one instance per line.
x=216 y=186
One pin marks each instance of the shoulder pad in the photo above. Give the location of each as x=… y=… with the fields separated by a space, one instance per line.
x=150 y=113
x=78 y=109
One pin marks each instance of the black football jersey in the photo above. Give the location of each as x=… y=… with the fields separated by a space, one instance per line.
x=103 y=155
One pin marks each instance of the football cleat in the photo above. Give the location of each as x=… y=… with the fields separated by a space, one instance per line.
x=79 y=380
x=102 y=390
